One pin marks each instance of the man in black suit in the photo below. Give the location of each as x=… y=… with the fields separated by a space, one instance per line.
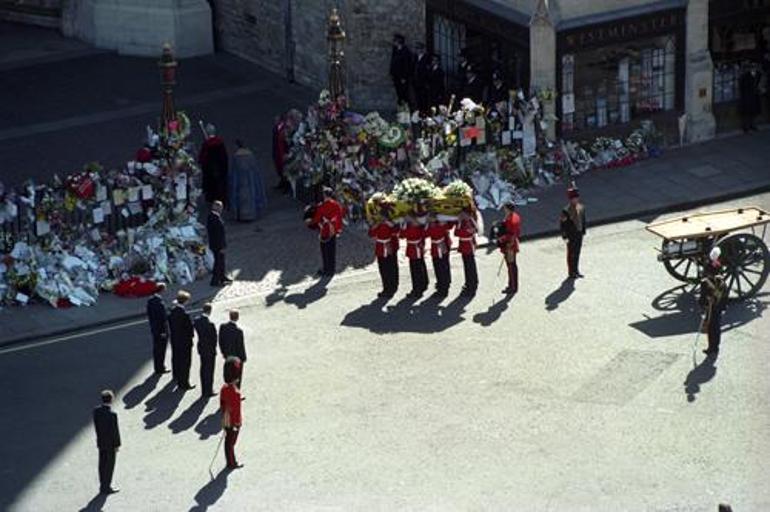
x=158 y=319
x=400 y=68
x=207 y=350
x=181 y=341
x=215 y=227
x=421 y=78
x=107 y=440
x=231 y=340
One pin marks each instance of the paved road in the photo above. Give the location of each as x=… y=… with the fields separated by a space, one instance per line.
x=564 y=398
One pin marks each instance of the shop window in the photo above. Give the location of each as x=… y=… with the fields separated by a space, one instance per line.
x=615 y=85
x=726 y=77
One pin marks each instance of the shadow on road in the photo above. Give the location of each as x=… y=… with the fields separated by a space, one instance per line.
x=698 y=376
x=681 y=313
x=210 y=425
x=162 y=405
x=494 y=312
x=405 y=316
x=189 y=416
x=96 y=504
x=210 y=493
x=559 y=295
x=139 y=392
x=312 y=294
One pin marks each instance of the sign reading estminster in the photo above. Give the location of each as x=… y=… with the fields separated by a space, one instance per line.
x=621 y=30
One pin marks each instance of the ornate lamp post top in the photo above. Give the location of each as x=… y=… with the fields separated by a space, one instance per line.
x=167 y=65
x=336 y=37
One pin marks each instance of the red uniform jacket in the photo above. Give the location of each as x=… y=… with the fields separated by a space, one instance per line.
x=510 y=241
x=385 y=237
x=230 y=401
x=440 y=243
x=328 y=219
x=415 y=241
x=466 y=236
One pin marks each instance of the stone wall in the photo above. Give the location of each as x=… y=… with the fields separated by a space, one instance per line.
x=289 y=36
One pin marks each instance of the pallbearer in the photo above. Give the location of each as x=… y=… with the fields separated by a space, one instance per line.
x=573 y=228
x=440 y=244
x=327 y=219
x=385 y=236
x=466 y=235
x=414 y=233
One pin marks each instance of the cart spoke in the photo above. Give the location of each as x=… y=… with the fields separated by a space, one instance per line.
x=738 y=283
x=752 y=271
x=676 y=266
x=745 y=277
x=687 y=268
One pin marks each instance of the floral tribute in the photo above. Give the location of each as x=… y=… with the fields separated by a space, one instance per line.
x=100 y=230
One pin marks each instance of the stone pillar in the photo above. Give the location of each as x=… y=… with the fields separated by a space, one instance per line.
x=542 y=59
x=141 y=27
x=699 y=74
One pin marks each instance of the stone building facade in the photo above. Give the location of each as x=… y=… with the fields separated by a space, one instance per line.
x=289 y=37
x=609 y=63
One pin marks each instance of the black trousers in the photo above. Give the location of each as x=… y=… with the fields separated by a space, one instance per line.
x=207 y=374
x=419 y=274
x=443 y=275
x=388 y=273
x=471 y=274
x=159 y=342
x=574 y=245
x=181 y=359
x=329 y=255
x=231 y=437
x=402 y=91
x=218 y=272
x=106 y=467
x=513 y=275
x=714 y=331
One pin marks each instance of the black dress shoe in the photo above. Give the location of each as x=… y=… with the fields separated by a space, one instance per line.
x=109 y=490
x=187 y=387
x=235 y=466
x=711 y=352
x=579 y=275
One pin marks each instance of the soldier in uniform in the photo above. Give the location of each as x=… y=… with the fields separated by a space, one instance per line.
x=713 y=299
x=509 y=246
x=230 y=406
x=465 y=231
x=400 y=68
x=385 y=236
x=158 y=319
x=207 y=350
x=181 y=328
x=572 y=224
x=440 y=245
x=414 y=233
x=327 y=219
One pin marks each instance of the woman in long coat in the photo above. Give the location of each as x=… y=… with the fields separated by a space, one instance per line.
x=246 y=189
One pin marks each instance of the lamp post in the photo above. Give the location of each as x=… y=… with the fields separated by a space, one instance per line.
x=167 y=65
x=336 y=37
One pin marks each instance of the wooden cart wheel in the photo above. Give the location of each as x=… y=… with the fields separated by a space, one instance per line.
x=745 y=264
x=686 y=269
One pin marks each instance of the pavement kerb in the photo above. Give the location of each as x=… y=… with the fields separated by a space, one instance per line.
x=684 y=205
